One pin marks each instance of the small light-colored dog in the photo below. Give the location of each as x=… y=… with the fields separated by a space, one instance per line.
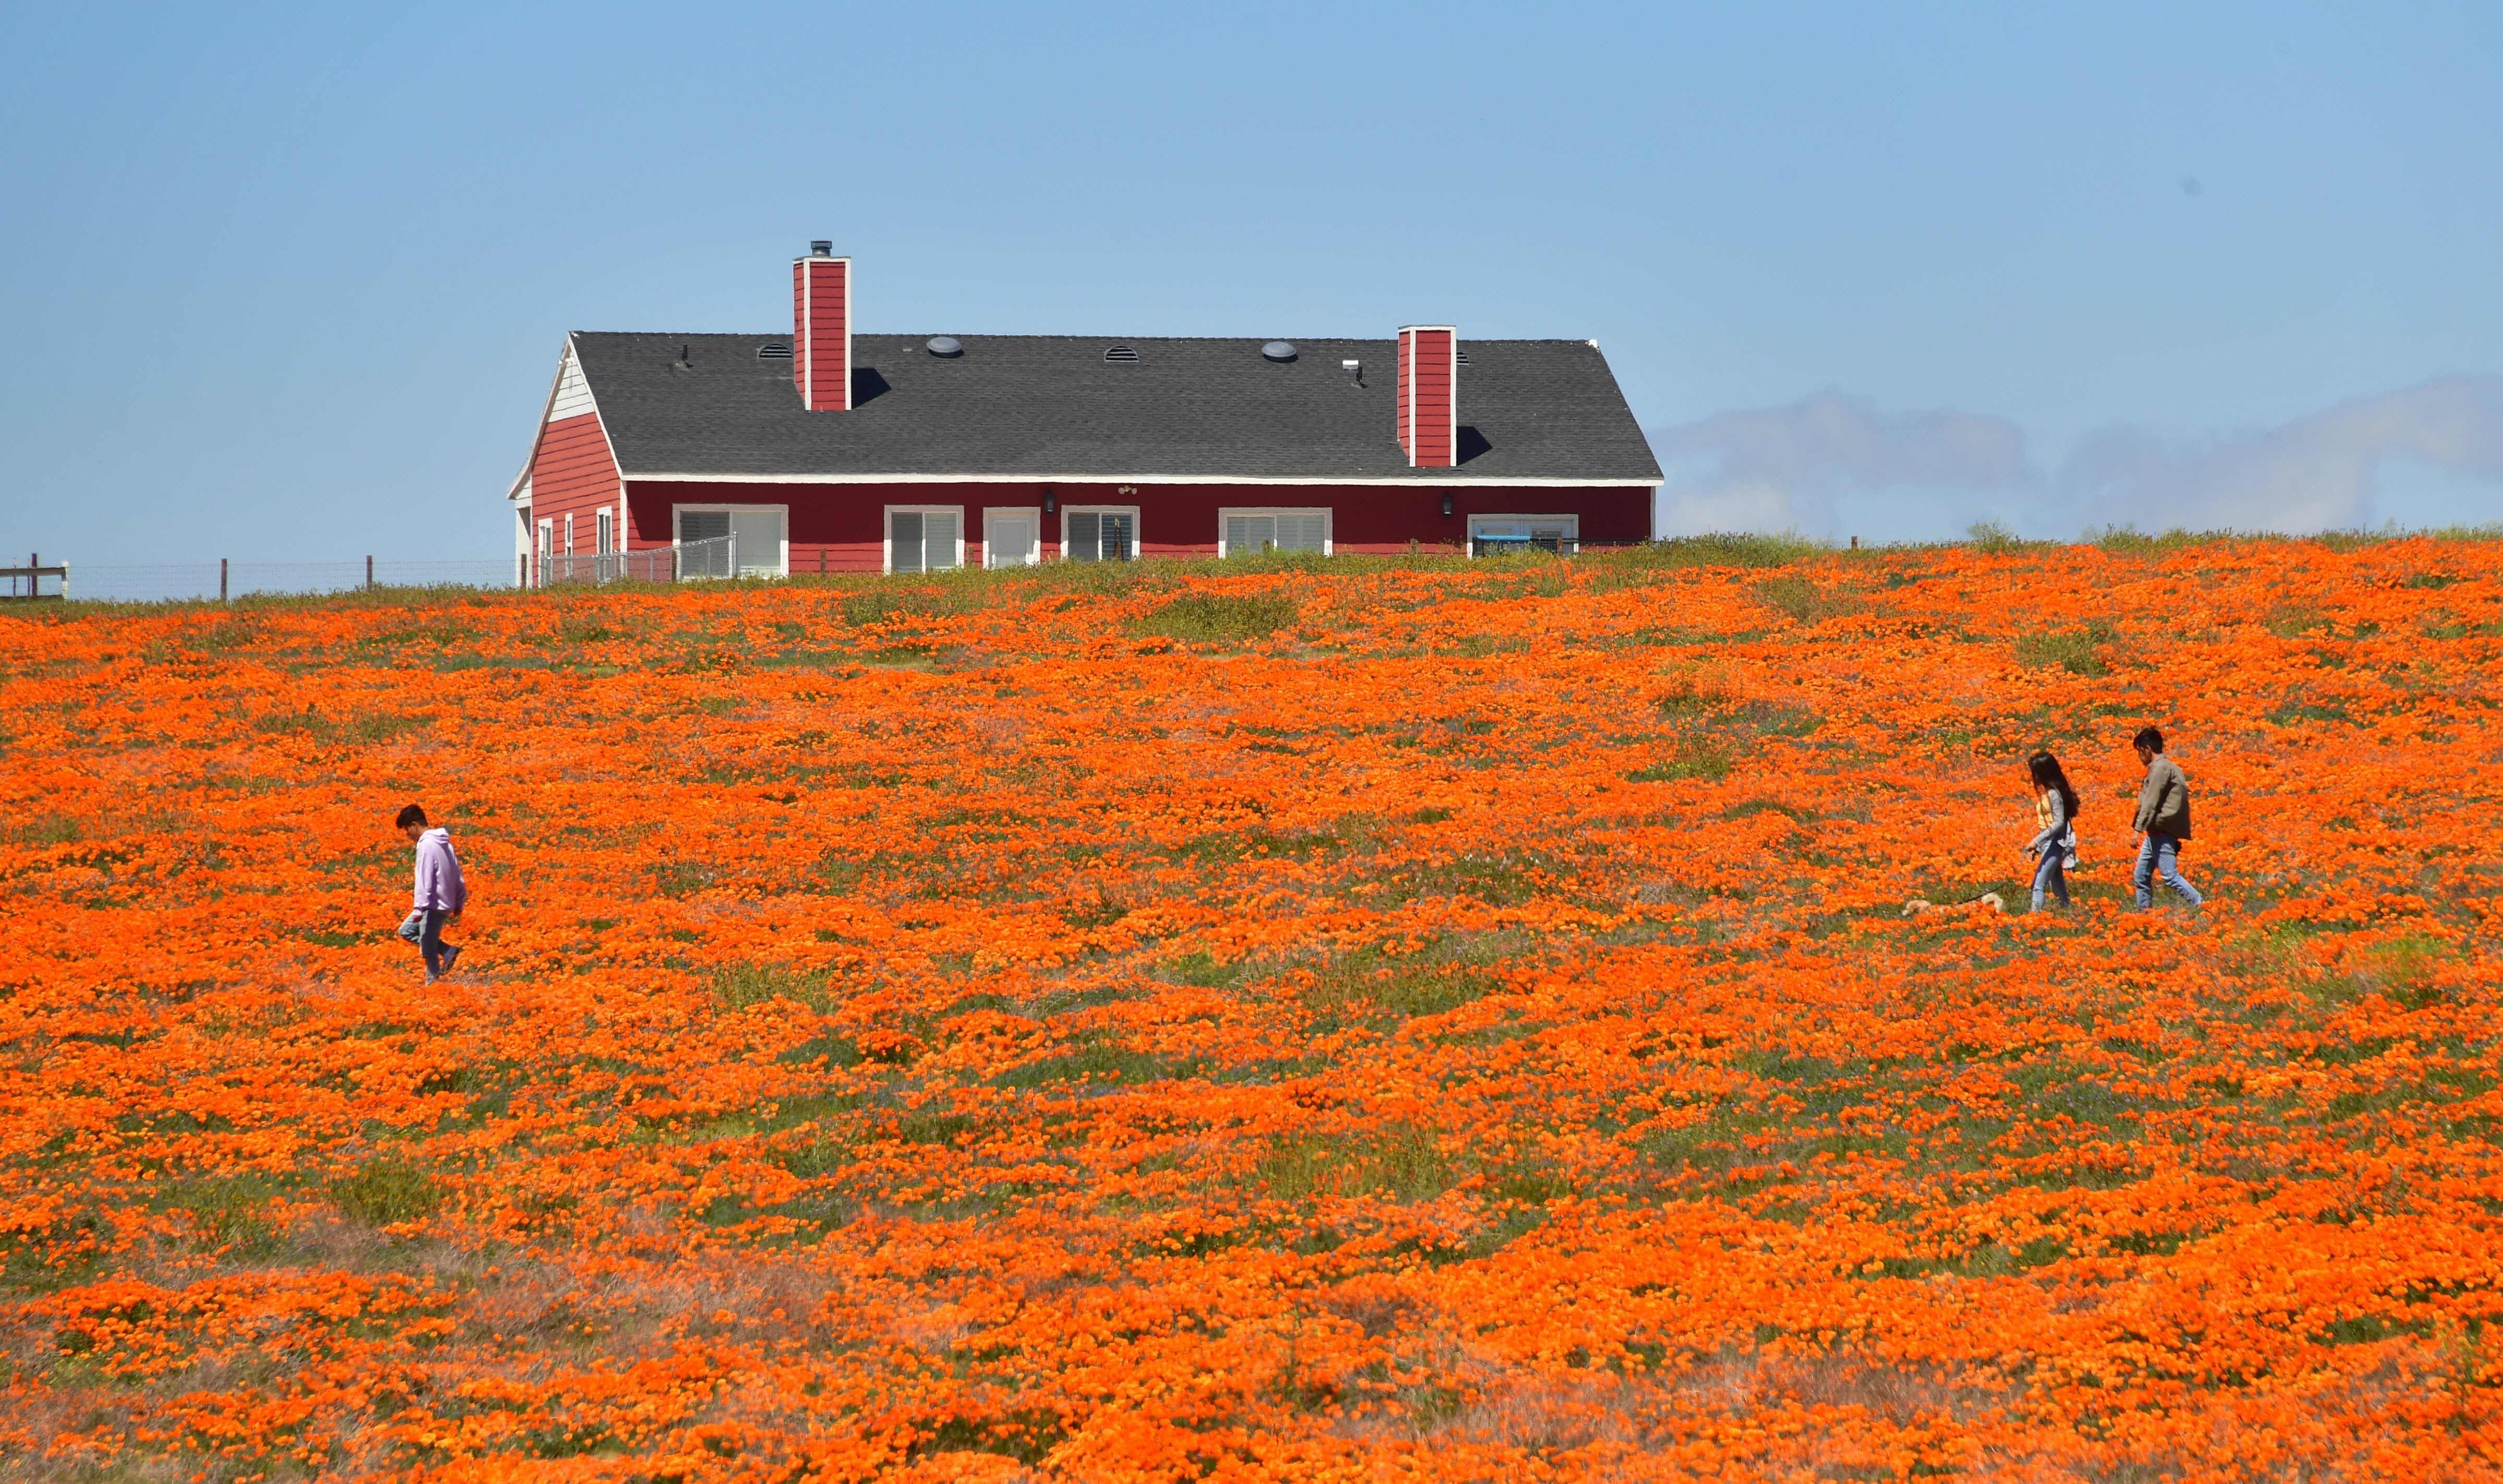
x=1920 y=907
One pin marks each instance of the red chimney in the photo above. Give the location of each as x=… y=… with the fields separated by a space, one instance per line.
x=821 y=330
x=1428 y=394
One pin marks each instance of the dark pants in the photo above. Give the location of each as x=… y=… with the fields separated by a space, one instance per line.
x=430 y=943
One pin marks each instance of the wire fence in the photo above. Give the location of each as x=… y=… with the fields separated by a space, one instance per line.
x=215 y=579
x=222 y=579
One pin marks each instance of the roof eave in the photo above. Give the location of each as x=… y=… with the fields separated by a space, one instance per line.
x=1422 y=480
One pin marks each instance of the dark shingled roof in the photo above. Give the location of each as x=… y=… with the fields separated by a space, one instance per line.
x=1049 y=406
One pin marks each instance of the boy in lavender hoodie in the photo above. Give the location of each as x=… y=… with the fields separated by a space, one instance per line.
x=440 y=894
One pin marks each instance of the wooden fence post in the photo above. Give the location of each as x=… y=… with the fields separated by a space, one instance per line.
x=370 y=571
x=221 y=579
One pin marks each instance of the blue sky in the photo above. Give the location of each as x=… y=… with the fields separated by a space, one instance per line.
x=291 y=281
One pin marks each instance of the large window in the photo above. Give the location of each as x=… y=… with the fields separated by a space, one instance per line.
x=1495 y=534
x=734 y=541
x=1249 y=533
x=1011 y=535
x=1099 y=532
x=924 y=539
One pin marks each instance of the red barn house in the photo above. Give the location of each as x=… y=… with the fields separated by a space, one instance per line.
x=831 y=449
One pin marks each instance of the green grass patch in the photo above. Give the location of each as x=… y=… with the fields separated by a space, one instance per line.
x=746 y=984
x=229 y=1214
x=2079 y=651
x=1800 y=598
x=50 y=828
x=363 y=730
x=386 y=1193
x=1724 y=549
x=1402 y=1161
x=1369 y=983
x=1692 y=756
x=2403 y=970
x=1100 y=1061
x=1211 y=618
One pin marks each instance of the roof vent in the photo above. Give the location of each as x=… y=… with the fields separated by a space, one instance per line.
x=774 y=350
x=1464 y=355
x=821 y=247
x=1280 y=351
x=1120 y=355
x=945 y=347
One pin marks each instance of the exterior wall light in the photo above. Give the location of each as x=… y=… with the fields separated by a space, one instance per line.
x=1446 y=507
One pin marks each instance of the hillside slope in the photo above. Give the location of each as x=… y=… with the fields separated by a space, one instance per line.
x=1366 y=1021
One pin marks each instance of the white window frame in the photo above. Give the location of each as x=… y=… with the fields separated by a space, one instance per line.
x=706 y=508
x=1572 y=525
x=1327 y=513
x=1032 y=553
x=569 y=532
x=886 y=533
x=546 y=549
x=603 y=533
x=1138 y=537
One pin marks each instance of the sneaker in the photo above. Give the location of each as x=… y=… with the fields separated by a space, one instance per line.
x=451 y=956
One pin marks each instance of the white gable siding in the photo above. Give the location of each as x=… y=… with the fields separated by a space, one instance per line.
x=572 y=393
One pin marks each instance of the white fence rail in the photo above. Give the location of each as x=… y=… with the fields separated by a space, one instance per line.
x=661 y=564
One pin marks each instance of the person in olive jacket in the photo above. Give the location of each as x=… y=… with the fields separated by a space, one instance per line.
x=2163 y=822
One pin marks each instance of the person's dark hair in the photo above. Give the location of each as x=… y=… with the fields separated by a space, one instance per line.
x=2150 y=739
x=411 y=816
x=2046 y=773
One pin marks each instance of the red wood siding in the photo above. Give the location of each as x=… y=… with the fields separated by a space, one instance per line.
x=800 y=329
x=821 y=333
x=1427 y=387
x=843 y=526
x=1399 y=399
x=573 y=474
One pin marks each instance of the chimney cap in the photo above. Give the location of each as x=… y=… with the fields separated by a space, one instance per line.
x=821 y=247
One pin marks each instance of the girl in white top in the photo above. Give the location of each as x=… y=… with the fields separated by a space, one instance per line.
x=2055 y=839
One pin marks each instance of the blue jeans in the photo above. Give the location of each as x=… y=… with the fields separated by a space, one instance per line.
x=2051 y=875
x=430 y=943
x=2160 y=855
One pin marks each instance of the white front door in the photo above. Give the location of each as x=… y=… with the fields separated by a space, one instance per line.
x=1012 y=538
x=755 y=543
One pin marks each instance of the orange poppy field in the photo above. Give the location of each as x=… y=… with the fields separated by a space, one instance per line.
x=1360 y=1019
